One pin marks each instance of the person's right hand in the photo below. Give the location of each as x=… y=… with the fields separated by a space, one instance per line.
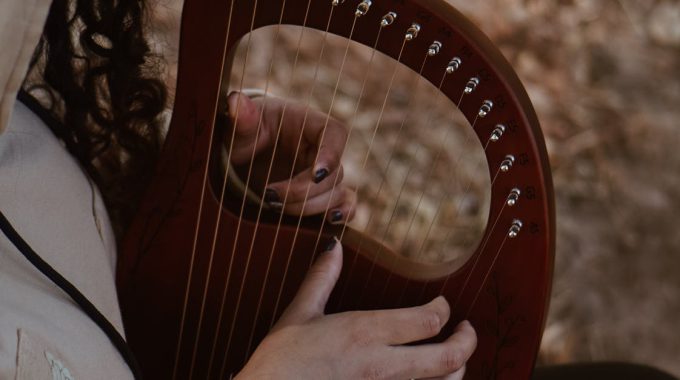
x=306 y=344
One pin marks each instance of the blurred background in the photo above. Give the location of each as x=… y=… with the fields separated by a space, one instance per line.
x=604 y=77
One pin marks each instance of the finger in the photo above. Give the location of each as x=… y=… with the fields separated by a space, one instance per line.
x=252 y=127
x=295 y=190
x=440 y=359
x=344 y=211
x=313 y=294
x=319 y=130
x=330 y=144
x=320 y=204
x=407 y=325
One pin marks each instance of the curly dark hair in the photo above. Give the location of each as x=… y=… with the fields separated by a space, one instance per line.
x=94 y=72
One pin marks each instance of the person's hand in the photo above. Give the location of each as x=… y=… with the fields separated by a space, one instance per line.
x=317 y=175
x=306 y=344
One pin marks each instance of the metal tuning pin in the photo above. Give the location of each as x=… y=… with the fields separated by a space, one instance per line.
x=486 y=107
x=513 y=197
x=388 y=19
x=412 y=32
x=507 y=163
x=337 y=2
x=454 y=65
x=363 y=8
x=515 y=228
x=471 y=85
x=497 y=133
x=434 y=48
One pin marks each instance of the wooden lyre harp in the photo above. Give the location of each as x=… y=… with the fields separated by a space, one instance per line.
x=184 y=321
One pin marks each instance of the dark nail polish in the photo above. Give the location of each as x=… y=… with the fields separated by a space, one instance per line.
x=320 y=175
x=336 y=216
x=331 y=244
x=271 y=196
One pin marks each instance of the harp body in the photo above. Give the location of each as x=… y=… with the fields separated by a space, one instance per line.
x=507 y=279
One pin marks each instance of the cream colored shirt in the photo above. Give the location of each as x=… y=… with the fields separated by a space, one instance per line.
x=49 y=200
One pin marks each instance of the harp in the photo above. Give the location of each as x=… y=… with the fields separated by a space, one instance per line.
x=194 y=297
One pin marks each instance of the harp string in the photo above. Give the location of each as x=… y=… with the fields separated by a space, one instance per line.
x=443 y=138
x=382 y=182
x=440 y=204
x=375 y=131
x=350 y=130
x=323 y=132
x=352 y=124
x=243 y=201
x=486 y=277
x=481 y=250
x=393 y=212
x=198 y=221
x=266 y=279
x=271 y=255
x=242 y=284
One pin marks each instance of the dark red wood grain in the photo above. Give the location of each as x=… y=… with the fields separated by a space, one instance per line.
x=156 y=255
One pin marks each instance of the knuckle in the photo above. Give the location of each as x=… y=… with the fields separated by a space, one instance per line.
x=452 y=359
x=431 y=323
x=373 y=372
x=297 y=188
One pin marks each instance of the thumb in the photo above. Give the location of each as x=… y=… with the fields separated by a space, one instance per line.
x=317 y=286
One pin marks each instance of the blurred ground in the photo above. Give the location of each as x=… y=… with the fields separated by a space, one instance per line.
x=604 y=77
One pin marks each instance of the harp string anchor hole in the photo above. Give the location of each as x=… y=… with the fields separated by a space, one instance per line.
x=454 y=65
x=412 y=32
x=486 y=107
x=363 y=8
x=471 y=85
x=497 y=133
x=515 y=228
x=507 y=163
x=388 y=19
x=513 y=197
x=434 y=48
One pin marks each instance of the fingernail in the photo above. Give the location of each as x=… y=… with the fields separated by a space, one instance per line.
x=276 y=206
x=271 y=196
x=320 y=175
x=336 y=216
x=331 y=244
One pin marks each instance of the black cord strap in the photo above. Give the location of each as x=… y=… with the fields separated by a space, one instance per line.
x=73 y=292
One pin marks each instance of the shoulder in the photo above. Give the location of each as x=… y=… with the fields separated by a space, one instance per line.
x=52 y=204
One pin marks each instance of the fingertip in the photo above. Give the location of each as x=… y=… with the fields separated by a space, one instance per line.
x=464 y=325
x=336 y=216
x=440 y=299
x=465 y=331
x=333 y=251
x=232 y=104
x=443 y=309
x=331 y=244
x=320 y=174
x=239 y=106
x=334 y=246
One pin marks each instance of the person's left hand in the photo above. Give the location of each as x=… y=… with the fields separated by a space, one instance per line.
x=313 y=189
